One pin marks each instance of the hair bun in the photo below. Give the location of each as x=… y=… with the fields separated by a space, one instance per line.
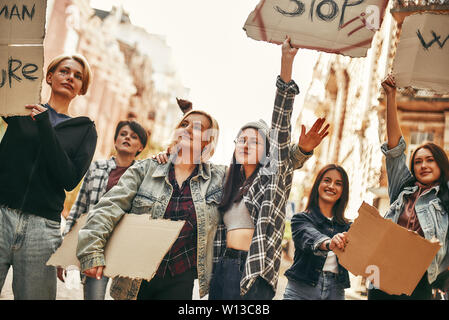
x=184 y=105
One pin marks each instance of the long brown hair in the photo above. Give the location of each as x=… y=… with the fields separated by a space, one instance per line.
x=443 y=163
x=339 y=207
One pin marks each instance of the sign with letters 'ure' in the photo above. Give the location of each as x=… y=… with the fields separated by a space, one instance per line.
x=22 y=32
x=422 y=57
x=336 y=26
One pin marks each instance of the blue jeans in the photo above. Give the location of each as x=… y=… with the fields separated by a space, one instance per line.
x=26 y=243
x=95 y=289
x=327 y=288
x=225 y=282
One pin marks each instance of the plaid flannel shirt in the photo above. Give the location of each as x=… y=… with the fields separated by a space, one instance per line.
x=267 y=196
x=92 y=189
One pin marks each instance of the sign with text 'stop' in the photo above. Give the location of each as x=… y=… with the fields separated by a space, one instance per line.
x=22 y=32
x=422 y=57
x=335 y=26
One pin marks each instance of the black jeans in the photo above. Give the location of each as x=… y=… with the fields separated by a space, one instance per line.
x=179 y=287
x=225 y=283
x=423 y=291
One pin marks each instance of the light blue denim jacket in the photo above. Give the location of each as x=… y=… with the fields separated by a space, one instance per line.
x=144 y=189
x=431 y=215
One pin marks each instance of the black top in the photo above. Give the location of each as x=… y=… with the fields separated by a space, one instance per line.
x=38 y=162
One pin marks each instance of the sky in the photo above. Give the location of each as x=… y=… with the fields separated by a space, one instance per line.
x=229 y=75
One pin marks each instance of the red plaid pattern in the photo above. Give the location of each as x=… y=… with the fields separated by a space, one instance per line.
x=182 y=255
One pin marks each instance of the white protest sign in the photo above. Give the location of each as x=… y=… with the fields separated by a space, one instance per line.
x=135 y=249
x=422 y=56
x=336 y=26
x=22 y=32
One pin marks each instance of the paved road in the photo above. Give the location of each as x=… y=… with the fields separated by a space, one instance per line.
x=65 y=294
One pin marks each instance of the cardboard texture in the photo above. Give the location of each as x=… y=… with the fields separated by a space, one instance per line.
x=385 y=252
x=422 y=57
x=335 y=26
x=20 y=78
x=134 y=250
x=22 y=21
x=22 y=32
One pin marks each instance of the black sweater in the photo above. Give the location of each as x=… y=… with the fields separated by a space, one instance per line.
x=38 y=162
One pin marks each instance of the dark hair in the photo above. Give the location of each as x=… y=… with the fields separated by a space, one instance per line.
x=443 y=163
x=136 y=128
x=339 y=207
x=236 y=186
x=184 y=105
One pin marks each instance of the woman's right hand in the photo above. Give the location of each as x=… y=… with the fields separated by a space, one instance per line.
x=95 y=272
x=162 y=157
x=389 y=85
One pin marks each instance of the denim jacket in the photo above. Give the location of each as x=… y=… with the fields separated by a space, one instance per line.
x=309 y=230
x=144 y=189
x=429 y=210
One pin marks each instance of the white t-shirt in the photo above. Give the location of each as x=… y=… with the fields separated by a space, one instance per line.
x=331 y=264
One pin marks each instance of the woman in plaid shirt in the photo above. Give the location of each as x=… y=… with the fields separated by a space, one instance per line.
x=248 y=241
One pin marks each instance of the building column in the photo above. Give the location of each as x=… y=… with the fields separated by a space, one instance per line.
x=446 y=131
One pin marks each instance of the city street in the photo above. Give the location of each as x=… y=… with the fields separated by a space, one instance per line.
x=65 y=294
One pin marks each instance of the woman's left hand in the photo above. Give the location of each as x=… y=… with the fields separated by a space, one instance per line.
x=311 y=139
x=340 y=240
x=35 y=109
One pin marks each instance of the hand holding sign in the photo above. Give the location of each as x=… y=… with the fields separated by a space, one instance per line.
x=389 y=85
x=35 y=109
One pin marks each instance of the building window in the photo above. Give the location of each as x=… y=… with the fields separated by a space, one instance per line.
x=416 y=139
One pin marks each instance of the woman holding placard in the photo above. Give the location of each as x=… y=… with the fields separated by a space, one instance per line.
x=187 y=187
x=316 y=273
x=248 y=241
x=42 y=156
x=419 y=196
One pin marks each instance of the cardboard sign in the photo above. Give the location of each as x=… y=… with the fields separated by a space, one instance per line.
x=22 y=32
x=422 y=57
x=135 y=249
x=393 y=258
x=336 y=26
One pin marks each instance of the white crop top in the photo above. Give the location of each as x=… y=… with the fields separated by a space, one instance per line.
x=238 y=217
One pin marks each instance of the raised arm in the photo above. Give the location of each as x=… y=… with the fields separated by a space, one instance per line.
x=394 y=132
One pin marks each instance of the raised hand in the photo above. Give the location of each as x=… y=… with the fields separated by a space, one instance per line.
x=288 y=52
x=288 y=55
x=311 y=139
x=389 y=85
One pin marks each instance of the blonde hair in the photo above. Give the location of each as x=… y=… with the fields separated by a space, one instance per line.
x=87 y=72
x=213 y=133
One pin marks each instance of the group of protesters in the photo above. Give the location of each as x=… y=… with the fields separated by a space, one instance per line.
x=231 y=241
